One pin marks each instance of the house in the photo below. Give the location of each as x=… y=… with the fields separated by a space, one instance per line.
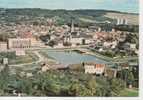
x=133 y=46
x=97 y=69
x=81 y=39
x=5 y=61
x=44 y=67
x=89 y=69
x=29 y=75
x=101 y=35
x=107 y=44
x=76 y=41
x=3 y=46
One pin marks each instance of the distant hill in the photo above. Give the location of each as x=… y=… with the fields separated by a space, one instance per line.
x=64 y=16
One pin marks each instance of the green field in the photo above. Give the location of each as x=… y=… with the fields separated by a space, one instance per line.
x=13 y=59
x=130 y=93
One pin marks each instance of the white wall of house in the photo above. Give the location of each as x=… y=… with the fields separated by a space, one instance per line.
x=5 y=61
x=3 y=46
x=76 y=40
x=94 y=69
x=90 y=69
x=88 y=41
x=60 y=45
x=133 y=46
x=45 y=68
x=100 y=70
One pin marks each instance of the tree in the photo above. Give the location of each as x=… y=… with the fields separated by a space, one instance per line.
x=85 y=91
x=103 y=91
x=45 y=38
x=74 y=89
x=83 y=42
x=117 y=85
x=52 y=43
x=130 y=78
x=4 y=77
x=91 y=85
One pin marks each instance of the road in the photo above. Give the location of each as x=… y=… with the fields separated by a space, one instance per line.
x=40 y=59
x=87 y=51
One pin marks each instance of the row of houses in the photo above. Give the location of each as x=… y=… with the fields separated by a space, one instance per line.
x=89 y=68
x=16 y=44
x=19 y=44
x=100 y=69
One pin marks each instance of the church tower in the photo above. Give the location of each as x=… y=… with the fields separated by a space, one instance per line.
x=72 y=26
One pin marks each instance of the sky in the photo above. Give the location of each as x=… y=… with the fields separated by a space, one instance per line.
x=131 y=6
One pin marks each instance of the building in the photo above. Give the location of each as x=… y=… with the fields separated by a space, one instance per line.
x=133 y=46
x=121 y=21
x=67 y=37
x=19 y=43
x=72 y=26
x=97 y=69
x=99 y=29
x=89 y=69
x=44 y=67
x=100 y=68
x=31 y=37
x=29 y=75
x=81 y=39
x=76 y=41
x=5 y=61
x=26 y=35
x=3 y=46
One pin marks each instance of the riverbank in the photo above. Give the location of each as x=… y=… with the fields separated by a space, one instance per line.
x=113 y=60
x=86 y=51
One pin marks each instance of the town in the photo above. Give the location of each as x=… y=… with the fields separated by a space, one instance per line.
x=105 y=51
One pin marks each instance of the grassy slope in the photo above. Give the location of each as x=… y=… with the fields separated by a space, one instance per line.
x=65 y=15
x=29 y=57
x=129 y=93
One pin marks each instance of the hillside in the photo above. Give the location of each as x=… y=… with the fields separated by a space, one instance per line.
x=132 y=18
x=64 y=16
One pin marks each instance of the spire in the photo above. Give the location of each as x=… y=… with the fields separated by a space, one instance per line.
x=72 y=25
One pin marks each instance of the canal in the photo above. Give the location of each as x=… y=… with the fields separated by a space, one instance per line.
x=71 y=57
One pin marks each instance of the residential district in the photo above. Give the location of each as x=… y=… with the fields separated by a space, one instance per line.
x=68 y=60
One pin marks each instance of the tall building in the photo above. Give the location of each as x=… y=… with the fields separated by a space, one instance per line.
x=122 y=21
x=125 y=22
x=67 y=37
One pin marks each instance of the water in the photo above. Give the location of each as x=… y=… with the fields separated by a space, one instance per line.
x=71 y=57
